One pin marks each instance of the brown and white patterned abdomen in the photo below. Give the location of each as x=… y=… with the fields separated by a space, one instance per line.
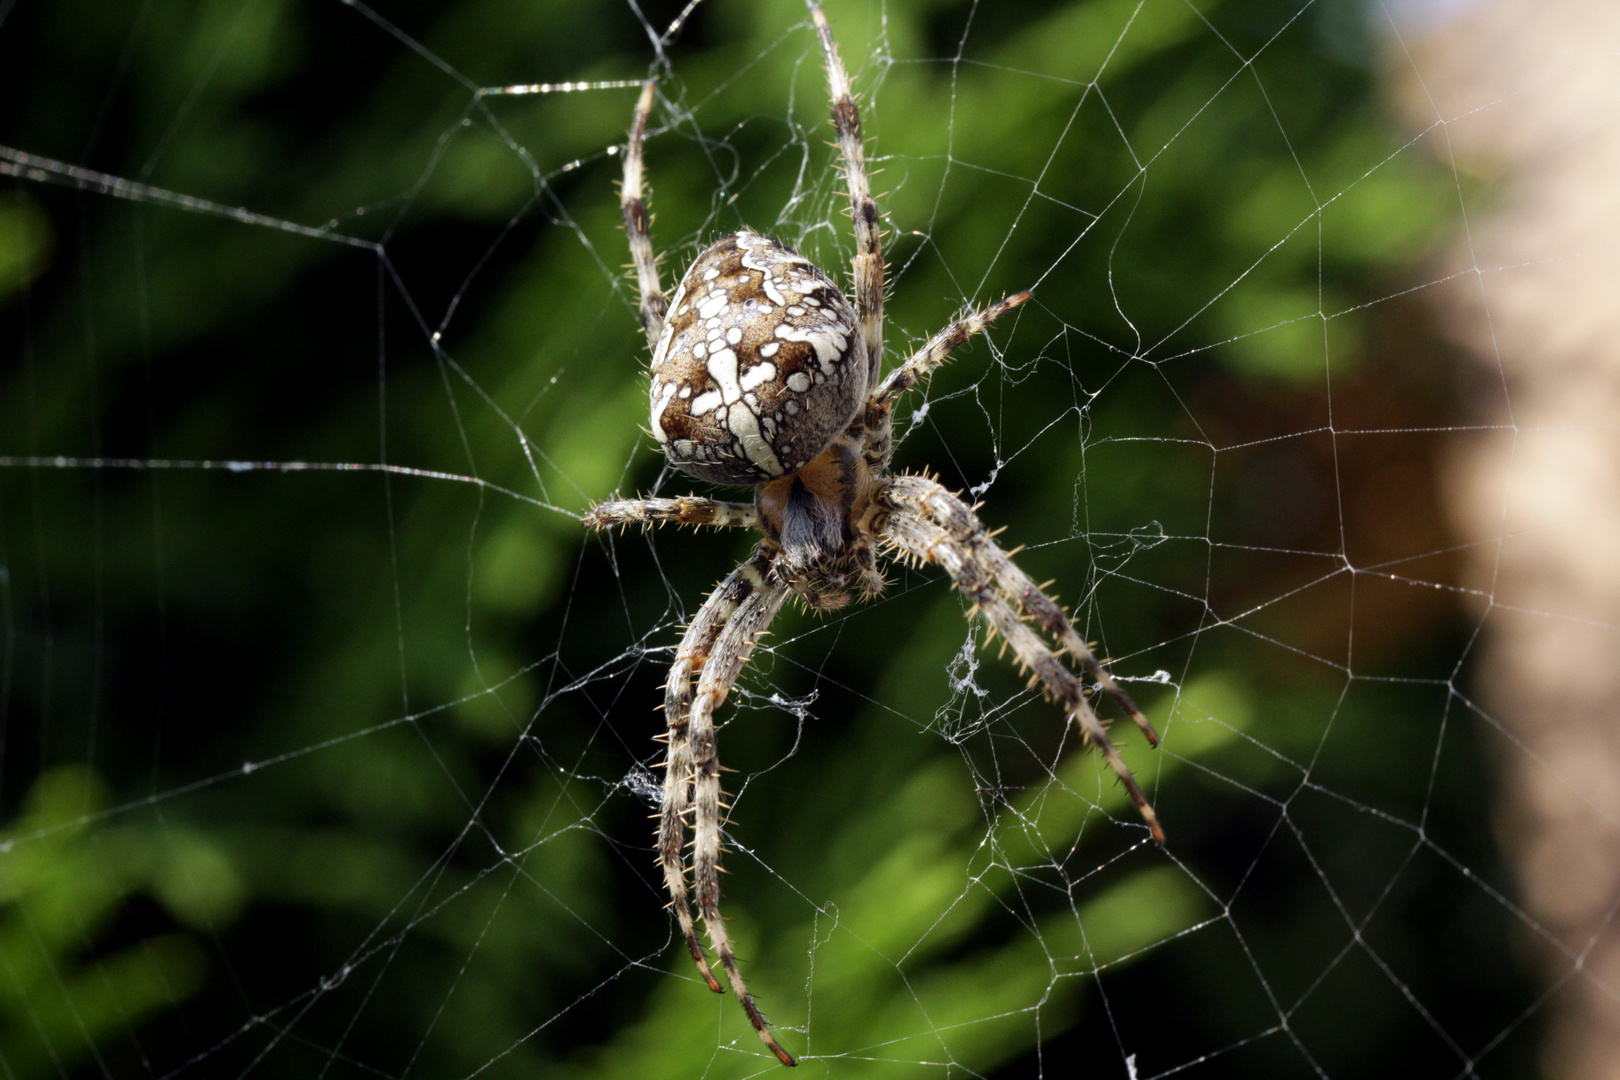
x=760 y=365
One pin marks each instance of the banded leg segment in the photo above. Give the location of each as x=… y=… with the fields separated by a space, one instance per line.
x=728 y=656
x=682 y=510
x=929 y=524
x=692 y=657
x=868 y=263
x=934 y=352
x=636 y=222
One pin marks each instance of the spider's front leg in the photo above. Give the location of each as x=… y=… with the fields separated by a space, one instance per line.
x=680 y=761
x=748 y=600
x=690 y=657
x=929 y=524
x=680 y=769
x=712 y=653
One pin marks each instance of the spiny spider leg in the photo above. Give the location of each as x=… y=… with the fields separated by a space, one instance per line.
x=868 y=263
x=714 y=649
x=691 y=657
x=935 y=351
x=729 y=655
x=1036 y=605
x=928 y=524
x=949 y=511
x=636 y=221
x=682 y=510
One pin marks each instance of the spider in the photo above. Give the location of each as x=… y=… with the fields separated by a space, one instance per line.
x=763 y=374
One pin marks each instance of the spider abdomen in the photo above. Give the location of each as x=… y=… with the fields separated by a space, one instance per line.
x=760 y=364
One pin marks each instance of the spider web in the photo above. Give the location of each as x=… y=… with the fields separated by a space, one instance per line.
x=326 y=736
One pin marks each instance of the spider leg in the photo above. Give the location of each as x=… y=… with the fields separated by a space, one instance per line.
x=653 y=302
x=868 y=263
x=684 y=510
x=935 y=351
x=927 y=523
x=958 y=518
x=750 y=603
x=691 y=658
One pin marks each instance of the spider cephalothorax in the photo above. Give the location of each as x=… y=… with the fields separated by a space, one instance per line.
x=763 y=374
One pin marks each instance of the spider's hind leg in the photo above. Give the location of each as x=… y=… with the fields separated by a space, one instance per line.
x=928 y=523
x=867 y=268
x=633 y=207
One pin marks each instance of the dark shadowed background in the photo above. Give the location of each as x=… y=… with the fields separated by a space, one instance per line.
x=326 y=735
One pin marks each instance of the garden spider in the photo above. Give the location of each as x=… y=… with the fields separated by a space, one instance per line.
x=763 y=374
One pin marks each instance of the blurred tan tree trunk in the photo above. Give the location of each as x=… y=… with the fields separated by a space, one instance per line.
x=1529 y=95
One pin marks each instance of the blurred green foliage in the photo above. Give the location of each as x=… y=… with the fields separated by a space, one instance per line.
x=373 y=748
x=63 y=881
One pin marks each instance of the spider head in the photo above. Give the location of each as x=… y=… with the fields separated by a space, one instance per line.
x=760 y=365
x=809 y=517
